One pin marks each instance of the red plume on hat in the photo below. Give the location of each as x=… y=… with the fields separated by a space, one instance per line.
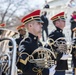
x=2 y=25
x=20 y=27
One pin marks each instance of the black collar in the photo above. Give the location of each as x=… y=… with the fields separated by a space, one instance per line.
x=21 y=36
x=33 y=36
x=58 y=29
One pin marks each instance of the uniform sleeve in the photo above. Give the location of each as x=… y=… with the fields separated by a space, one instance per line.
x=22 y=47
x=23 y=56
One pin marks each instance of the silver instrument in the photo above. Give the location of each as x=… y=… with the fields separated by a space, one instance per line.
x=7 y=58
x=42 y=58
x=61 y=45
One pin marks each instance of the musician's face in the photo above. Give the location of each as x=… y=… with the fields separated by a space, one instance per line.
x=35 y=28
x=60 y=23
x=74 y=13
x=22 y=32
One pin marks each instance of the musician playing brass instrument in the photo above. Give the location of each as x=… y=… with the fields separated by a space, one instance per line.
x=59 y=23
x=33 y=24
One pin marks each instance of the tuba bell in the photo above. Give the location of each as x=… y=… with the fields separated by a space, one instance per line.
x=7 y=58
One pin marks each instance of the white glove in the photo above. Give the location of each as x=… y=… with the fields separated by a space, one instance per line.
x=65 y=56
x=52 y=70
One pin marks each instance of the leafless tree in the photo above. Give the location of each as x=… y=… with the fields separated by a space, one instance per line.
x=9 y=10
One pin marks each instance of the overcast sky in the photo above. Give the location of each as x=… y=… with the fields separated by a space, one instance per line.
x=38 y=3
x=32 y=4
x=28 y=4
x=35 y=4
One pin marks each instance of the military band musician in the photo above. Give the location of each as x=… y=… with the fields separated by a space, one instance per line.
x=59 y=22
x=33 y=24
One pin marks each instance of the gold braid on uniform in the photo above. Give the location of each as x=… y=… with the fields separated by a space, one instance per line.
x=24 y=61
x=50 y=42
x=38 y=70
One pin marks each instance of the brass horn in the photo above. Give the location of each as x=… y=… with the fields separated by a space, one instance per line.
x=43 y=58
x=60 y=45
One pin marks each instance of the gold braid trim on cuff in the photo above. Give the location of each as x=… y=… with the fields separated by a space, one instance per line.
x=24 y=61
x=38 y=70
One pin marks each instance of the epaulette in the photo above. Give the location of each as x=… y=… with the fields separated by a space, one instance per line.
x=52 y=33
x=27 y=40
x=23 y=42
x=56 y=31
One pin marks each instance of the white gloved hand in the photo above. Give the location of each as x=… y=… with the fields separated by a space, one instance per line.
x=52 y=70
x=65 y=56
